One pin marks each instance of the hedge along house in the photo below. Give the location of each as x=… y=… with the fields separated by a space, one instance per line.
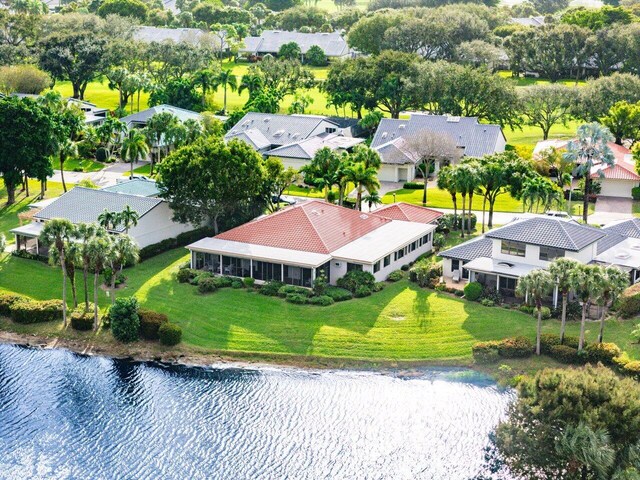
x=392 y=141
x=297 y=244
x=84 y=205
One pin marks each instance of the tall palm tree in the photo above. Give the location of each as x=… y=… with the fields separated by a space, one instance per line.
x=124 y=251
x=446 y=181
x=85 y=233
x=56 y=233
x=586 y=451
x=616 y=281
x=226 y=79
x=108 y=220
x=156 y=133
x=362 y=177
x=98 y=250
x=366 y=155
x=537 y=284
x=134 y=148
x=587 y=281
x=372 y=198
x=560 y=269
x=66 y=149
x=587 y=151
x=322 y=171
x=128 y=218
x=206 y=80
x=252 y=82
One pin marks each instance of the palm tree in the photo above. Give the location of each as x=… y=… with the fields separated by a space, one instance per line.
x=108 y=220
x=134 y=148
x=362 y=177
x=124 y=251
x=85 y=233
x=128 y=218
x=586 y=451
x=587 y=281
x=447 y=182
x=587 y=151
x=66 y=150
x=372 y=198
x=56 y=233
x=322 y=171
x=156 y=133
x=206 y=80
x=98 y=250
x=616 y=281
x=226 y=79
x=560 y=269
x=252 y=82
x=465 y=180
x=537 y=284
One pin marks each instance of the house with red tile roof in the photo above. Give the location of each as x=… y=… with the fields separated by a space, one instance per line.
x=296 y=244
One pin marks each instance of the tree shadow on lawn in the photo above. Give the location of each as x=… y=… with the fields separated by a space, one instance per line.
x=496 y=323
x=421 y=306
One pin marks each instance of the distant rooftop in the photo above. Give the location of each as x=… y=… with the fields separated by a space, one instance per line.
x=270 y=41
x=137 y=186
x=307 y=148
x=143 y=116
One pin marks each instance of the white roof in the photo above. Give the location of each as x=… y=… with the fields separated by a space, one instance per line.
x=625 y=254
x=260 y=252
x=380 y=242
x=32 y=229
x=500 y=267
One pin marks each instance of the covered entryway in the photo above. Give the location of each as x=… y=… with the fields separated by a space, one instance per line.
x=27 y=239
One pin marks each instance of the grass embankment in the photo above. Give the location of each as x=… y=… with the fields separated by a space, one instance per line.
x=79 y=165
x=401 y=323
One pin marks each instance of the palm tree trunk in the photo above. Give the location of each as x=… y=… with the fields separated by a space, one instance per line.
x=26 y=185
x=469 y=210
x=85 y=274
x=539 y=330
x=484 y=209
x=585 y=201
x=454 y=199
x=72 y=278
x=224 y=107
x=95 y=300
x=131 y=170
x=64 y=185
x=63 y=264
x=359 y=198
x=563 y=324
x=113 y=286
x=582 y=324
x=464 y=205
x=602 y=317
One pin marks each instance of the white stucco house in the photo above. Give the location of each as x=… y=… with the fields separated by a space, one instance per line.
x=295 y=244
x=269 y=42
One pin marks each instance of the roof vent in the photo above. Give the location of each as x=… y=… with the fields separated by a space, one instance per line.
x=295 y=135
x=453 y=119
x=279 y=133
x=315 y=212
x=267 y=119
x=636 y=246
x=505 y=264
x=623 y=255
x=384 y=134
x=364 y=216
x=401 y=126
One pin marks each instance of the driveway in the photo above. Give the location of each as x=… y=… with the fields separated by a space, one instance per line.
x=106 y=177
x=610 y=209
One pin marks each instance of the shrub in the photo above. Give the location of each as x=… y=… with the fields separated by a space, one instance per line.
x=379 y=286
x=633 y=369
x=355 y=279
x=413 y=186
x=322 y=300
x=106 y=318
x=526 y=309
x=546 y=313
x=271 y=288
x=572 y=342
x=485 y=352
x=201 y=276
x=441 y=287
x=287 y=289
x=296 y=298
x=458 y=293
x=487 y=302
x=185 y=275
x=125 y=323
x=635 y=193
x=439 y=241
x=405 y=267
x=629 y=304
x=548 y=340
x=207 y=285
x=150 y=323
x=515 y=347
x=82 y=319
x=425 y=273
x=249 y=282
x=338 y=294
x=222 y=282
x=566 y=354
x=237 y=284
x=362 y=291
x=8 y=299
x=33 y=311
x=472 y=291
x=395 y=276
x=602 y=352
x=320 y=284
x=170 y=334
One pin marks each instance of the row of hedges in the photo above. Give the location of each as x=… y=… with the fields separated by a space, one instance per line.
x=129 y=323
x=170 y=243
x=25 y=310
x=491 y=351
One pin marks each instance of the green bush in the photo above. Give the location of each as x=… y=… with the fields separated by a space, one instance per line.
x=355 y=279
x=379 y=286
x=288 y=289
x=271 y=288
x=106 y=318
x=249 y=282
x=322 y=300
x=237 y=284
x=395 y=276
x=485 y=352
x=170 y=243
x=362 y=291
x=526 y=309
x=296 y=298
x=629 y=302
x=125 y=323
x=572 y=342
x=487 y=302
x=222 y=282
x=8 y=299
x=150 y=323
x=185 y=275
x=170 y=334
x=472 y=291
x=546 y=313
x=548 y=340
x=201 y=276
x=338 y=294
x=515 y=347
x=425 y=273
x=207 y=285
x=635 y=193
x=33 y=311
x=566 y=354
x=413 y=186
x=632 y=369
x=82 y=319
x=602 y=352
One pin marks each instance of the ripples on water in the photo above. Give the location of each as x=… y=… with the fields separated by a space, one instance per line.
x=67 y=416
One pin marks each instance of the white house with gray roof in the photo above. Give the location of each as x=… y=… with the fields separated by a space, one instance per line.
x=392 y=141
x=269 y=42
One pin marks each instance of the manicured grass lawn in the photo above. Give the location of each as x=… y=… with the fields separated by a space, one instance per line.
x=442 y=199
x=402 y=322
x=79 y=165
x=531 y=135
x=635 y=208
x=9 y=214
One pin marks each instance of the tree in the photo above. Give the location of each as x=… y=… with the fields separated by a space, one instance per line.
x=347 y=85
x=549 y=6
x=428 y=148
x=561 y=270
x=124 y=251
x=127 y=218
x=122 y=80
x=615 y=282
x=290 y=51
x=303 y=16
x=108 y=220
x=588 y=150
x=300 y=103
x=109 y=134
x=98 y=250
x=225 y=79
x=23 y=79
x=463 y=177
x=322 y=171
x=447 y=181
x=125 y=8
x=179 y=92
x=367 y=34
x=279 y=179
x=547 y=105
x=551 y=162
x=315 y=56
x=536 y=284
x=67 y=149
x=363 y=177
x=252 y=82
x=587 y=281
x=543 y=438
x=388 y=76
x=72 y=260
x=206 y=79
x=369 y=123
x=479 y=53
x=157 y=133
x=85 y=232
x=56 y=233
x=623 y=121
x=538 y=191
x=599 y=95
x=134 y=148
x=230 y=179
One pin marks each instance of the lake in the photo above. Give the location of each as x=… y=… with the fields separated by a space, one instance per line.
x=64 y=415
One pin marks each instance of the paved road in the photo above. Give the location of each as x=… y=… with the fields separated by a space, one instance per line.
x=103 y=178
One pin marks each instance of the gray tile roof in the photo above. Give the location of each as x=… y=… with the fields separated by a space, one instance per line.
x=277 y=129
x=308 y=147
x=611 y=239
x=477 y=139
x=178 y=35
x=253 y=137
x=85 y=205
x=627 y=228
x=528 y=21
x=141 y=118
x=476 y=248
x=395 y=152
x=137 y=186
x=549 y=232
x=270 y=41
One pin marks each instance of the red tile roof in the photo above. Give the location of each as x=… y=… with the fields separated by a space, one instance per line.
x=624 y=168
x=313 y=226
x=408 y=213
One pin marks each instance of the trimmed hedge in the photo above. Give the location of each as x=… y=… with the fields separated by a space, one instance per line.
x=82 y=319
x=338 y=294
x=486 y=352
x=355 y=279
x=271 y=288
x=8 y=299
x=185 y=275
x=395 y=276
x=322 y=300
x=150 y=323
x=170 y=243
x=170 y=334
x=515 y=347
x=573 y=342
x=285 y=290
x=472 y=291
x=33 y=311
x=207 y=285
x=249 y=282
x=547 y=341
x=602 y=352
x=629 y=302
x=413 y=186
x=237 y=284
x=363 y=291
x=296 y=298
x=222 y=282
x=633 y=369
x=125 y=322
x=566 y=354
x=546 y=312
x=635 y=193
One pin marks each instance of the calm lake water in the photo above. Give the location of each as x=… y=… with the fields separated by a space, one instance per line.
x=67 y=416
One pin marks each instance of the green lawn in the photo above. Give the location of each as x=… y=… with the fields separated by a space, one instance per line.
x=79 y=165
x=442 y=199
x=402 y=322
x=635 y=208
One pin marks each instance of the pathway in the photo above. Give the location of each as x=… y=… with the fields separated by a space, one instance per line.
x=103 y=178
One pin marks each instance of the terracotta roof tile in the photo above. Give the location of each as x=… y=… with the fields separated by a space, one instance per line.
x=409 y=213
